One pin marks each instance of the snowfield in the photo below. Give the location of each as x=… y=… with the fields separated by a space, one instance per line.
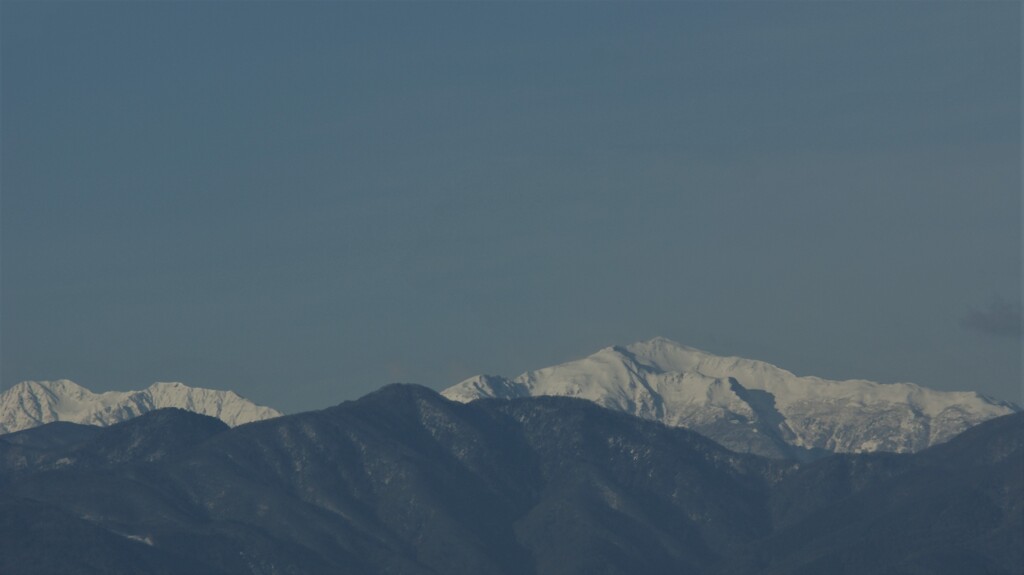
x=750 y=405
x=33 y=403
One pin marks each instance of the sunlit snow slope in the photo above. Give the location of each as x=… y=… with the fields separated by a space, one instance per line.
x=32 y=403
x=749 y=405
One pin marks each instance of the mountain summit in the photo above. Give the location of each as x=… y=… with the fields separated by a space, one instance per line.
x=33 y=403
x=748 y=405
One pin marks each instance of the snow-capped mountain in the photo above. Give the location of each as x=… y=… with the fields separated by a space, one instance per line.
x=748 y=405
x=32 y=403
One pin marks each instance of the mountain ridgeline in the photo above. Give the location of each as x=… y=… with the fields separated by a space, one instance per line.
x=746 y=405
x=404 y=481
x=750 y=406
x=32 y=403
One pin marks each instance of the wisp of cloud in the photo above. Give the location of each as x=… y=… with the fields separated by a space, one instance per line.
x=1000 y=319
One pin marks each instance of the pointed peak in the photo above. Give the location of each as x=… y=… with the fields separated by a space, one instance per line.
x=659 y=340
x=169 y=385
x=64 y=388
x=404 y=389
x=49 y=384
x=663 y=343
x=398 y=393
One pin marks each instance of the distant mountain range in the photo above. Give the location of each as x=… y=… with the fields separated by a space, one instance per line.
x=405 y=482
x=750 y=406
x=32 y=403
x=746 y=405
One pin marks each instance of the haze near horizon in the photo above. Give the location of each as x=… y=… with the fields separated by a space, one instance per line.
x=302 y=202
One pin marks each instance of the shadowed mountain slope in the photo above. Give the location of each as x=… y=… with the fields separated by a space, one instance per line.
x=405 y=481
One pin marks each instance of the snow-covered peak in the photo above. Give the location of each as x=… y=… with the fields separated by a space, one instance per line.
x=64 y=386
x=32 y=403
x=741 y=401
x=667 y=355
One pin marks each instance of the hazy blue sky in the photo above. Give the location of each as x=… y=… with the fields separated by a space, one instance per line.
x=305 y=201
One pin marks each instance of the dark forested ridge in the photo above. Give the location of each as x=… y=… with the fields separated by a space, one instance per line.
x=405 y=481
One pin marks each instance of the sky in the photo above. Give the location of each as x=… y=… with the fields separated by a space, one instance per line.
x=304 y=201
